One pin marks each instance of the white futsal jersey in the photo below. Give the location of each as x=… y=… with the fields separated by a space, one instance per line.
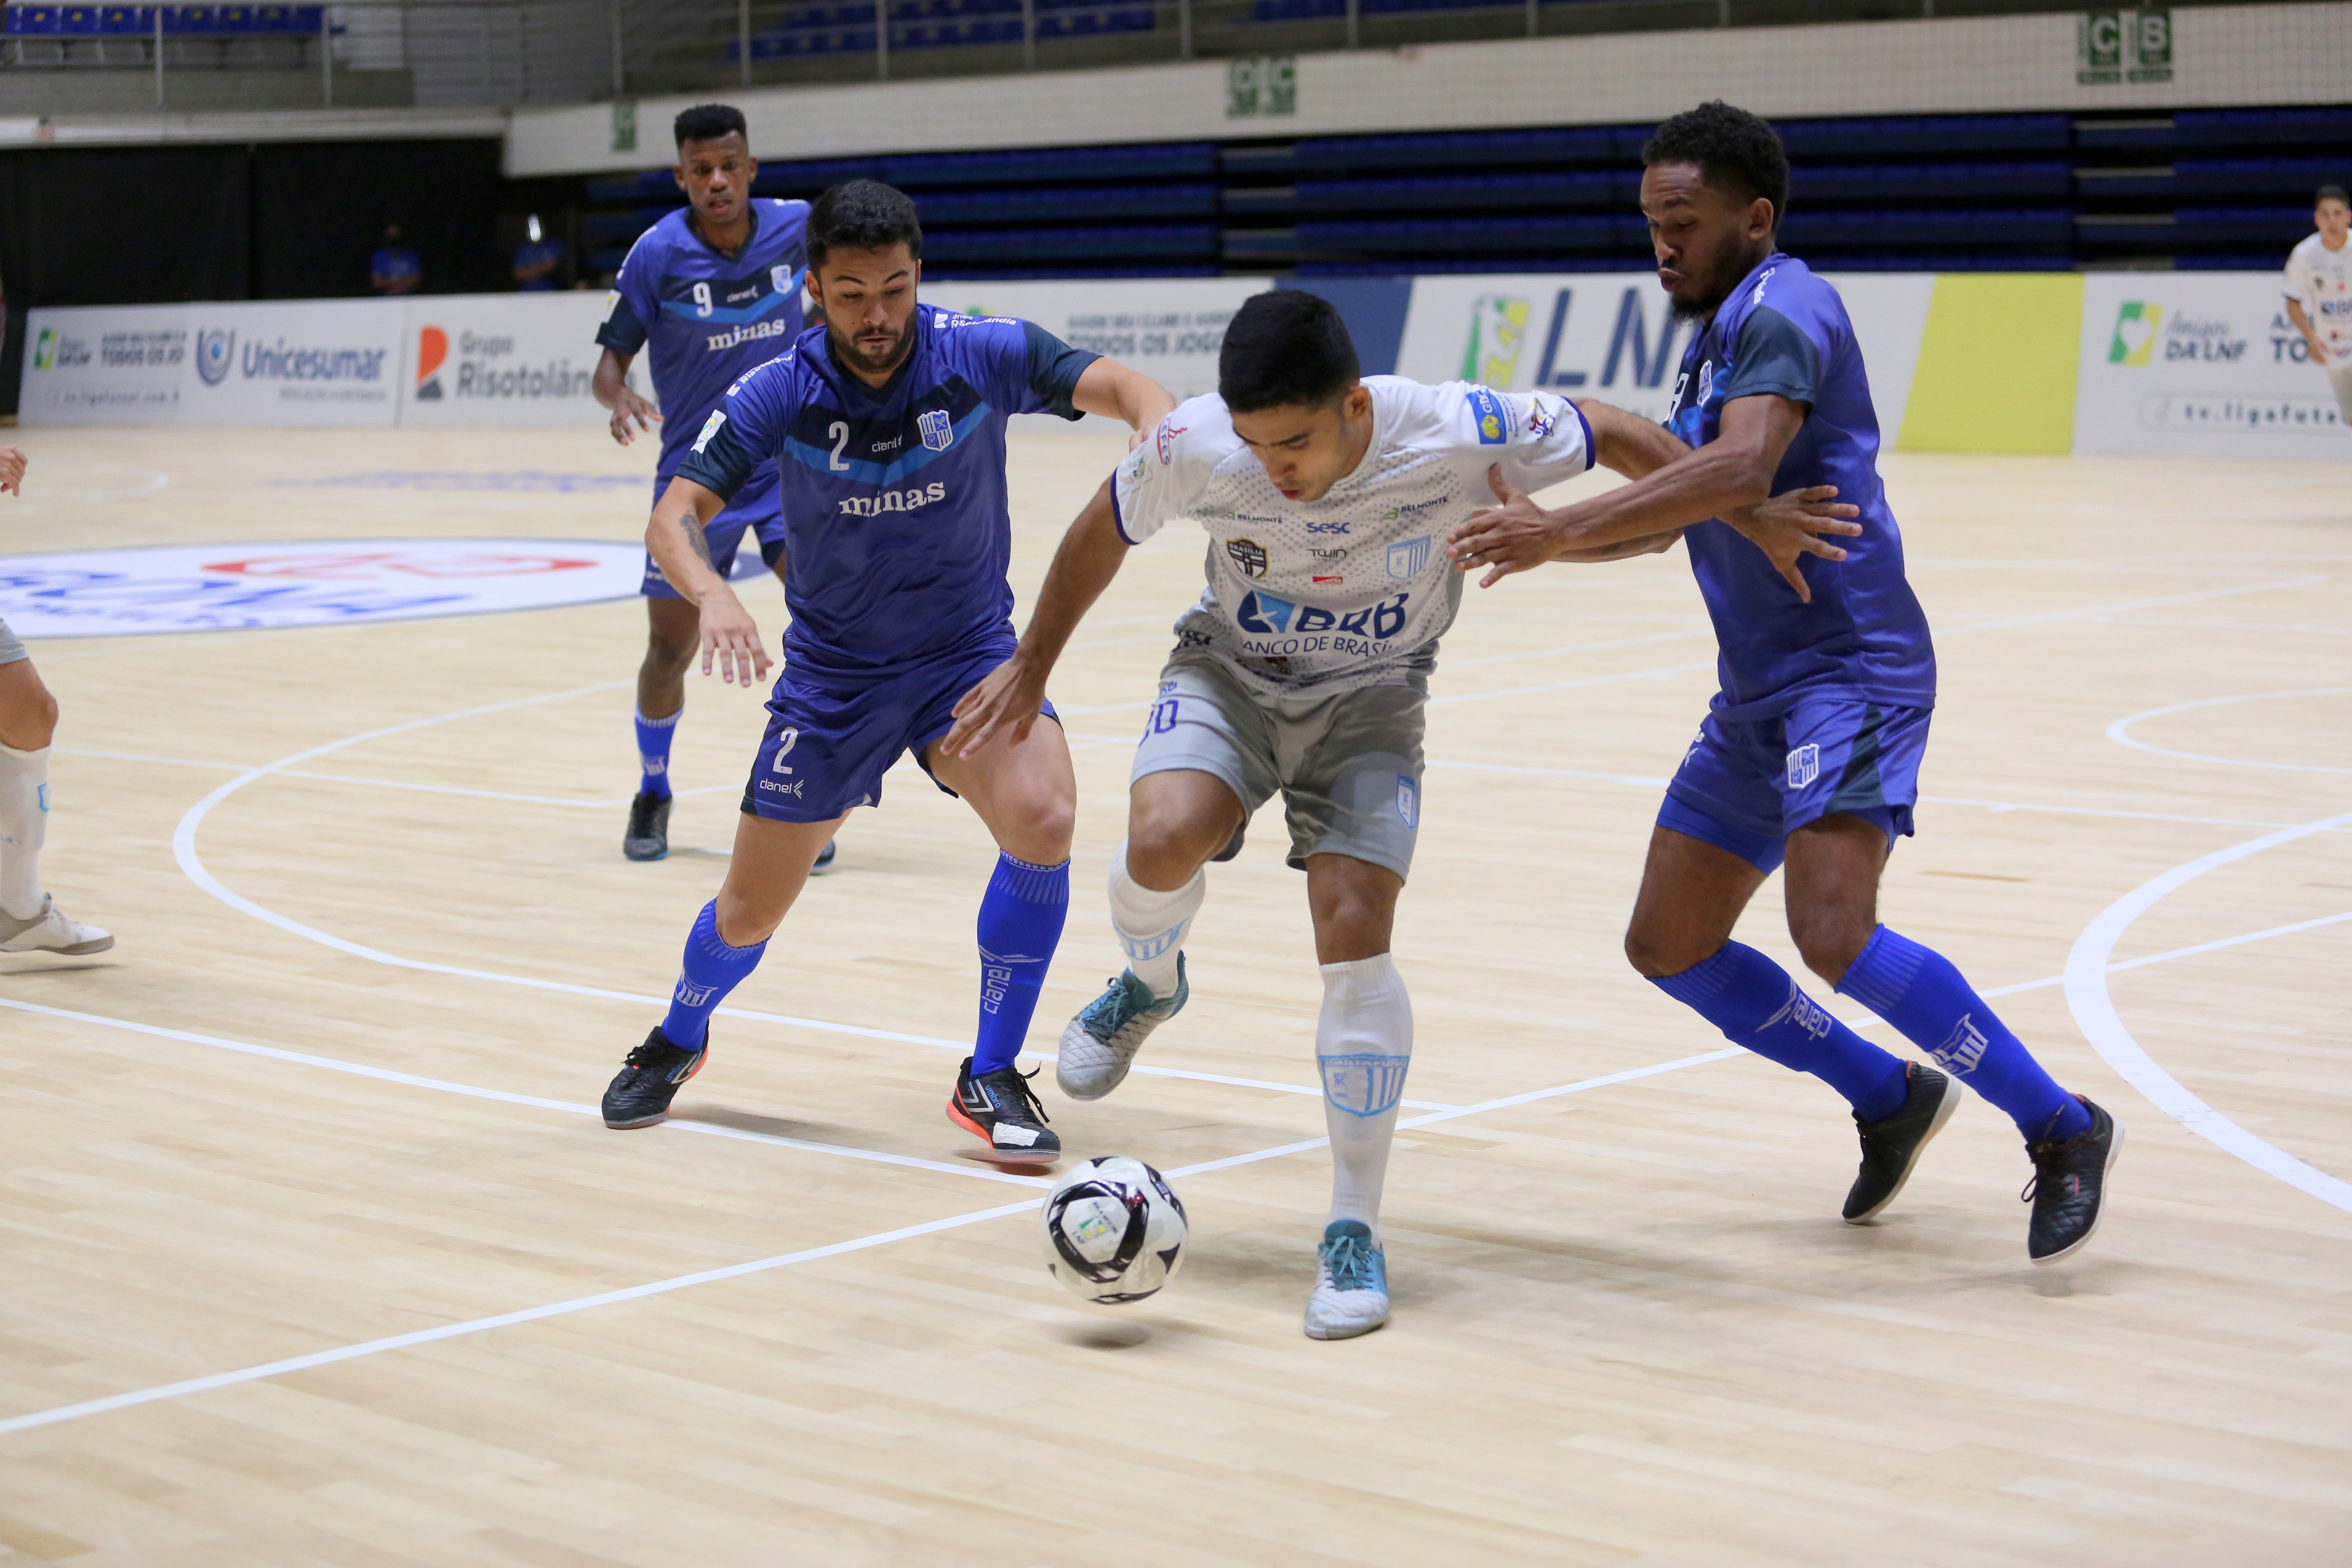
x=1354 y=589
x=2320 y=279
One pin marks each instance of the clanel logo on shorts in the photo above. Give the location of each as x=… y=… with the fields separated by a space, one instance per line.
x=1408 y=801
x=1408 y=556
x=1363 y=1085
x=1804 y=765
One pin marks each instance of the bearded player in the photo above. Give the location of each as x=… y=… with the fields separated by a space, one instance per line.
x=1294 y=675
x=888 y=425
x=1810 y=754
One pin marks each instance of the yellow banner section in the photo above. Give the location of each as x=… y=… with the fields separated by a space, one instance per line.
x=1997 y=365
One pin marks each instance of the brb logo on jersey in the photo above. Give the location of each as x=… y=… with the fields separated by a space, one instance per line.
x=1488 y=410
x=937 y=432
x=1263 y=614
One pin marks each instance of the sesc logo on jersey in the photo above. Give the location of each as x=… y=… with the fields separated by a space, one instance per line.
x=1494 y=422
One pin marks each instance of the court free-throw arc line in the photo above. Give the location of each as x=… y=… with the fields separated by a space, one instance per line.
x=2120 y=730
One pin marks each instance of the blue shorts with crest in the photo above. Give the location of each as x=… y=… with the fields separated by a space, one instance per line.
x=1745 y=787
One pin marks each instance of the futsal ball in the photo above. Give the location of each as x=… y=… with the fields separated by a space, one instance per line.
x=1114 y=1230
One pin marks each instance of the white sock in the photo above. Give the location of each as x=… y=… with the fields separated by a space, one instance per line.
x=24 y=824
x=1363 y=1043
x=1152 y=925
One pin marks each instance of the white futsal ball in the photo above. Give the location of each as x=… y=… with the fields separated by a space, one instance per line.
x=1114 y=1230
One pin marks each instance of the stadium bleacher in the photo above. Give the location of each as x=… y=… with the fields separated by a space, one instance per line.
x=2033 y=192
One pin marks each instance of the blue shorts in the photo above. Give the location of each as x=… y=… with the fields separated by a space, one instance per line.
x=830 y=741
x=757 y=506
x=1745 y=787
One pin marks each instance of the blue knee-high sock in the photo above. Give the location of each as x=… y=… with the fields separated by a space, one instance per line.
x=1918 y=990
x=1020 y=924
x=653 y=752
x=710 y=970
x=1755 y=1005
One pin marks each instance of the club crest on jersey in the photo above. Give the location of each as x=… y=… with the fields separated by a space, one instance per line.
x=1493 y=420
x=1363 y=1085
x=1408 y=801
x=1408 y=556
x=709 y=428
x=1804 y=765
x=1705 y=380
x=1248 y=555
x=937 y=431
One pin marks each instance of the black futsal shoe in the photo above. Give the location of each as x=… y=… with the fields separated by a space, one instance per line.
x=1891 y=1145
x=649 y=1080
x=1232 y=846
x=2069 y=1186
x=648 y=835
x=823 y=860
x=1002 y=1110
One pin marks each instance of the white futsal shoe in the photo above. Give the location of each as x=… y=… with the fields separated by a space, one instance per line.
x=1351 y=1283
x=51 y=931
x=1099 y=1045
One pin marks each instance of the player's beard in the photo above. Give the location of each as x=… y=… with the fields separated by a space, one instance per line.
x=889 y=359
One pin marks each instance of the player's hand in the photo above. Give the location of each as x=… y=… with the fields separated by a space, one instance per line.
x=627 y=406
x=1007 y=700
x=12 y=470
x=1512 y=537
x=2317 y=350
x=730 y=639
x=1792 y=525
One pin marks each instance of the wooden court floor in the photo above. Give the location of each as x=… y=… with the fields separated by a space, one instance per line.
x=304 y=1176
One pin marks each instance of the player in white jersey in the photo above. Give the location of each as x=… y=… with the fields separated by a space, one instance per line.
x=1304 y=669
x=2319 y=292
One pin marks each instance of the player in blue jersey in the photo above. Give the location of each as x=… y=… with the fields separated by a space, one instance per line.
x=715 y=290
x=1810 y=755
x=887 y=423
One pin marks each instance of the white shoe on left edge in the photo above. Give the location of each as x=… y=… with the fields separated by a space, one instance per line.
x=51 y=931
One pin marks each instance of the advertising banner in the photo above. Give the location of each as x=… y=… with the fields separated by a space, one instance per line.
x=1614 y=336
x=106 y=365
x=1169 y=328
x=479 y=361
x=2202 y=365
x=309 y=362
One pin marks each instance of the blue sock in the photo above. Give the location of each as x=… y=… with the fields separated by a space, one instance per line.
x=711 y=969
x=653 y=752
x=1020 y=925
x=1752 y=1000
x=1918 y=990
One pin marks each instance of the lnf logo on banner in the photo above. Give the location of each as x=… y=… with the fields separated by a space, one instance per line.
x=1498 y=329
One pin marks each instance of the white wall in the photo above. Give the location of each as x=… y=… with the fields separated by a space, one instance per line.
x=2222 y=55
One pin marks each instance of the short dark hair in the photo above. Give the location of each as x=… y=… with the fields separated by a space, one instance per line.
x=1732 y=148
x=1284 y=347
x=710 y=122
x=863 y=214
x=2331 y=194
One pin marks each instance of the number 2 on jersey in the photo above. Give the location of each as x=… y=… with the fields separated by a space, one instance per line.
x=840 y=434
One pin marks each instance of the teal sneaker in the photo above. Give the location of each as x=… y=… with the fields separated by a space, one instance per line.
x=1351 y=1283
x=1101 y=1043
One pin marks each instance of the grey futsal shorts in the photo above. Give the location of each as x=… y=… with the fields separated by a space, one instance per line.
x=11 y=650
x=1348 y=765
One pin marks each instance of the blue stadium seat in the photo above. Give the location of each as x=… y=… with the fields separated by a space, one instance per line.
x=1940 y=230
x=1194 y=242
x=2051 y=177
x=1067 y=204
x=1886 y=136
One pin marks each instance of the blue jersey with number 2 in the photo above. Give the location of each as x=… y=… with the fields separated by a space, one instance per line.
x=1785 y=331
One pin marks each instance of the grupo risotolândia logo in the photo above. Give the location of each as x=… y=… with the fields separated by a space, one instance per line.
x=217 y=354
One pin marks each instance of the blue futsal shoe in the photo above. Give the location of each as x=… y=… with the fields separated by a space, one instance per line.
x=1099 y=1043
x=1351 y=1283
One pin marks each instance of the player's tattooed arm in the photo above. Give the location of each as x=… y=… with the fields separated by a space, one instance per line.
x=1008 y=699
x=675 y=538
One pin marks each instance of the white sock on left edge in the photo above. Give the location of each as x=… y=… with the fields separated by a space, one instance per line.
x=23 y=825
x=1363 y=1045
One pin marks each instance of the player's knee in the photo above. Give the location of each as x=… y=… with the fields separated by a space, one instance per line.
x=1829 y=941
x=746 y=921
x=29 y=721
x=670 y=651
x=1652 y=957
x=1045 y=831
x=1164 y=846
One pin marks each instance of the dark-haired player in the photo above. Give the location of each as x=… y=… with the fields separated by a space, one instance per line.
x=1304 y=670
x=714 y=289
x=888 y=423
x=2319 y=292
x=1810 y=755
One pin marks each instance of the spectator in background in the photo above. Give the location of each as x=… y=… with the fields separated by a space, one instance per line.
x=394 y=269
x=2319 y=292
x=535 y=259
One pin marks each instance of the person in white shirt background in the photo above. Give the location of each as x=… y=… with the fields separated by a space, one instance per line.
x=2319 y=292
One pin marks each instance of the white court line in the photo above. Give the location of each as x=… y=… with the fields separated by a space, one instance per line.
x=811 y=1255
x=444 y=1086
x=2093 y=1007
x=2120 y=730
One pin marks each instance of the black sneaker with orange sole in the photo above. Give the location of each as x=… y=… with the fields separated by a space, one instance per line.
x=640 y=1094
x=1002 y=1110
x=2069 y=1188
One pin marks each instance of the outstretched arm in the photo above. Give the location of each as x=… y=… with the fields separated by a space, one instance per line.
x=1010 y=695
x=611 y=388
x=1111 y=389
x=674 y=538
